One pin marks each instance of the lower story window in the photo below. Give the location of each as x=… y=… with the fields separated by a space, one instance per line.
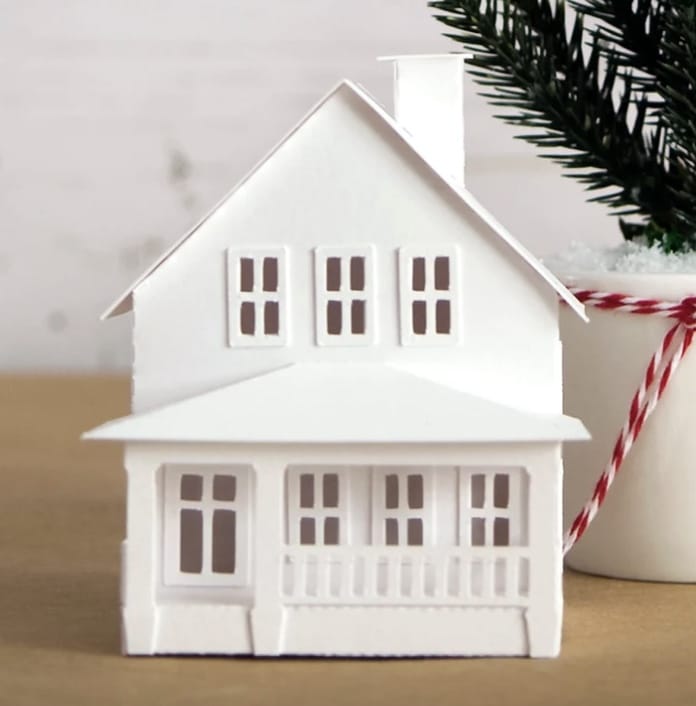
x=317 y=505
x=402 y=504
x=493 y=504
x=206 y=525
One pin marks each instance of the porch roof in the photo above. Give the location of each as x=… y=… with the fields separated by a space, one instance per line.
x=329 y=403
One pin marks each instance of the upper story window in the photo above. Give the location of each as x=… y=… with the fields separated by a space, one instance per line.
x=429 y=283
x=257 y=297
x=345 y=295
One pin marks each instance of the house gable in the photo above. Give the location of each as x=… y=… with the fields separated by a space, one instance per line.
x=346 y=178
x=125 y=301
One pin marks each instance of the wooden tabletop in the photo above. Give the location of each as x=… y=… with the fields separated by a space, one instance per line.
x=61 y=522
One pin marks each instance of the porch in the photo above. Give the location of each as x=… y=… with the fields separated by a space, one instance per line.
x=429 y=553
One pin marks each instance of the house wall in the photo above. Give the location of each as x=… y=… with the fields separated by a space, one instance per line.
x=162 y=620
x=343 y=179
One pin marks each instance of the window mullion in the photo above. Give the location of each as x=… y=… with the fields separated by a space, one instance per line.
x=490 y=508
x=431 y=315
x=345 y=275
x=258 y=275
x=514 y=507
x=207 y=513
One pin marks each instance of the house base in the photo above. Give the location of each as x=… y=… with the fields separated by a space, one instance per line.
x=350 y=631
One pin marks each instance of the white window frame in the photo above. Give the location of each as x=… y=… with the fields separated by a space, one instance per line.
x=402 y=513
x=319 y=512
x=345 y=295
x=516 y=512
x=258 y=297
x=171 y=526
x=430 y=295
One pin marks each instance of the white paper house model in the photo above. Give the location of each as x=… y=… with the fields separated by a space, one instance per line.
x=346 y=430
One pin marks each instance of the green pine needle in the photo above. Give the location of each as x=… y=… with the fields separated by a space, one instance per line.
x=615 y=105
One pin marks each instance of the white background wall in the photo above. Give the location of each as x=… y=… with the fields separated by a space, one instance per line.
x=123 y=121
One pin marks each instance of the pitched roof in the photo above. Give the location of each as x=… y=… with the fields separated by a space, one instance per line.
x=125 y=301
x=339 y=403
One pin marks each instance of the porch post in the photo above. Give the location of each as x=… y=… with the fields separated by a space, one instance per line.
x=139 y=557
x=268 y=615
x=545 y=613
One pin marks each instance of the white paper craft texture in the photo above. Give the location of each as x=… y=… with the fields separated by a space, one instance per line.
x=347 y=425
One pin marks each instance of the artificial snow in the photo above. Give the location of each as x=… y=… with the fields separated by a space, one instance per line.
x=628 y=257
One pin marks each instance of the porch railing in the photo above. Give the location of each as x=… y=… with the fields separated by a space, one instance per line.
x=405 y=576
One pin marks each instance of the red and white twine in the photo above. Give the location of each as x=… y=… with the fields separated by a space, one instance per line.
x=658 y=374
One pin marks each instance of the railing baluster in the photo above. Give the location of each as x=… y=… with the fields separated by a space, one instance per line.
x=345 y=577
x=464 y=578
x=512 y=564
x=394 y=577
x=324 y=577
x=441 y=576
x=298 y=589
x=289 y=580
x=490 y=584
x=417 y=587
x=370 y=576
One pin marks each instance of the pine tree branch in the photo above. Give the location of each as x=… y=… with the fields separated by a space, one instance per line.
x=657 y=39
x=632 y=28
x=522 y=52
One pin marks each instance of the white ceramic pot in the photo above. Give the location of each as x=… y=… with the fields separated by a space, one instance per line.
x=646 y=528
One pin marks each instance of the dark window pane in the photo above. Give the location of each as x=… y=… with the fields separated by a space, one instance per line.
x=501 y=532
x=443 y=319
x=307 y=531
x=419 y=317
x=331 y=530
x=333 y=274
x=246 y=274
x=442 y=273
x=191 y=487
x=415 y=532
x=501 y=490
x=357 y=317
x=357 y=274
x=415 y=491
x=270 y=274
x=391 y=491
x=478 y=490
x=478 y=531
x=271 y=319
x=306 y=490
x=191 y=541
x=391 y=531
x=418 y=274
x=334 y=317
x=224 y=488
x=224 y=541
x=247 y=318
x=330 y=490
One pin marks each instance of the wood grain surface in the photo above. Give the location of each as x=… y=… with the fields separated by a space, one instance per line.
x=61 y=521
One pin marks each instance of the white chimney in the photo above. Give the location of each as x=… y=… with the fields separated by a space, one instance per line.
x=429 y=104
